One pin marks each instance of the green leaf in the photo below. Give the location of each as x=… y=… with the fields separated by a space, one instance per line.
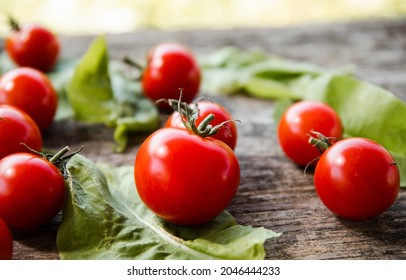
x=101 y=91
x=89 y=91
x=104 y=218
x=268 y=88
x=136 y=114
x=256 y=73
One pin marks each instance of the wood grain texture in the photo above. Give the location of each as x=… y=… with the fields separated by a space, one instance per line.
x=273 y=193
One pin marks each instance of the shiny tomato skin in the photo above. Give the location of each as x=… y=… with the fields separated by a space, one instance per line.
x=185 y=179
x=33 y=46
x=31 y=91
x=357 y=179
x=298 y=121
x=17 y=127
x=32 y=191
x=171 y=67
x=226 y=134
x=6 y=242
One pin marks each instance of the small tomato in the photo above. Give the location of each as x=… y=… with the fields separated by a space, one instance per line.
x=296 y=124
x=171 y=67
x=32 y=190
x=184 y=178
x=32 y=45
x=31 y=91
x=17 y=128
x=356 y=178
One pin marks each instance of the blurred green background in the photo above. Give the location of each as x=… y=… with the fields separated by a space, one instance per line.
x=117 y=16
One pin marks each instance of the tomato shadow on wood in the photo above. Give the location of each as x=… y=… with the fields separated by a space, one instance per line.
x=388 y=228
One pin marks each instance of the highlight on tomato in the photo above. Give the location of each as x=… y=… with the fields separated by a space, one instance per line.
x=17 y=128
x=32 y=188
x=31 y=91
x=356 y=178
x=32 y=45
x=296 y=124
x=170 y=67
x=226 y=133
x=6 y=242
x=185 y=176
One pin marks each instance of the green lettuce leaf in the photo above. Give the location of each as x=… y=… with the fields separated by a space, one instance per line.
x=254 y=72
x=104 y=218
x=101 y=92
x=89 y=91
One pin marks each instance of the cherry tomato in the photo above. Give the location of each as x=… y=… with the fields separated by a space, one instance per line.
x=184 y=178
x=32 y=45
x=17 y=127
x=6 y=242
x=171 y=67
x=356 y=178
x=227 y=133
x=296 y=124
x=32 y=190
x=31 y=91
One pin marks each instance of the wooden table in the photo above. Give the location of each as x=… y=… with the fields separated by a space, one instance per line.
x=273 y=193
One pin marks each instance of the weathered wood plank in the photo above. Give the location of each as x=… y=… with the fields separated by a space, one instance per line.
x=273 y=193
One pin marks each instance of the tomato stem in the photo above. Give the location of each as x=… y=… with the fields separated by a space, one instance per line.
x=59 y=155
x=320 y=141
x=58 y=159
x=15 y=26
x=127 y=60
x=189 y=114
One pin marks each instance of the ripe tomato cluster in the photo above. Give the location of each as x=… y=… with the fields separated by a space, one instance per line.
x=32 y=189
x=187 y=172
x=35 y=50
x=356 y=178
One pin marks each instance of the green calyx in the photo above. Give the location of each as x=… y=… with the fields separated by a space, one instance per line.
x=59 y=159
x=189 y=114
x=320 y=141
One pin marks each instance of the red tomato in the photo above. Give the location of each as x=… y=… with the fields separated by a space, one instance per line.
x=296 y=124
x=184 y=178
x=32 y=190
x=32 y=45
x=171 y=67
x=31 y=91
x=227 y=133
x=356 y=178
x=6 y=242
x=17 y=127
